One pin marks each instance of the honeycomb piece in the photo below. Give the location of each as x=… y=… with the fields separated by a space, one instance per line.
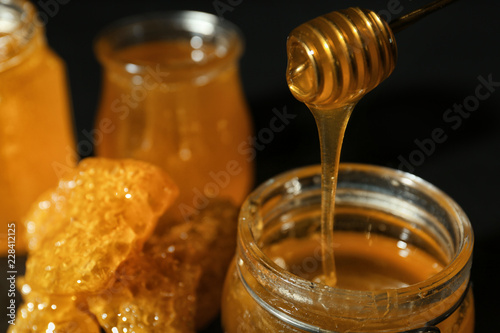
x=99 y=214
x=207 y=240
x=149 y=295
x=40 y=216
x=57 y=314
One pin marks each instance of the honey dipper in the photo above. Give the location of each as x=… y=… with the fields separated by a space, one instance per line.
x=360 y=46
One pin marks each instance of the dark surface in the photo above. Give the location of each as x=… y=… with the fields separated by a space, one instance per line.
x=440 y=61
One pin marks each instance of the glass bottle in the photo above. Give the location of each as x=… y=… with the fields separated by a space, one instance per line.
x=375 y=206
x=171 y=95
x=36 y=129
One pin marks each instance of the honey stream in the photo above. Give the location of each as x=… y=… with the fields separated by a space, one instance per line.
x=333 y=60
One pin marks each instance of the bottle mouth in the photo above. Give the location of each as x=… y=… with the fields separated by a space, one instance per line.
x=209 y=43
x=18 y=24
x=414 y=199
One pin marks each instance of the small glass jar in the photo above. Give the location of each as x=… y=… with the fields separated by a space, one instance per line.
x=171 y=95
x=260 y=295
x=36 y=130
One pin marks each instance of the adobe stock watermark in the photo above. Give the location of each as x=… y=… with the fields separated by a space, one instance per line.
x=152 y=79
x=223 y=6
x=453 y=118
x=48 y=9
x=392 y=9
x=222 y=178
x=11 y=273
x=310 y=267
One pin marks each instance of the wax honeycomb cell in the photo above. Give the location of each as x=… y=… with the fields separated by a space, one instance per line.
x=206 y=240
x=151 y=294
x=49 y=313
x=99 y=215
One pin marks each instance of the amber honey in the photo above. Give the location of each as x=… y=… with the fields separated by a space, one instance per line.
x=362 y=264
x=363 y=261
x=399 y=267
x=178 y=103
x=36 y=140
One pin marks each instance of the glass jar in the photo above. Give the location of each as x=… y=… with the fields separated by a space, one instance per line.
x=171 y=95
x=36 y=131
x=260 y=295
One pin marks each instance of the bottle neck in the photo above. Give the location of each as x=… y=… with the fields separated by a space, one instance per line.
x=21 y=33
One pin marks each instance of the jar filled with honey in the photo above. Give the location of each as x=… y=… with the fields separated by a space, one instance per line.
x=172 y=96
x=36 y=139
x=402 y=252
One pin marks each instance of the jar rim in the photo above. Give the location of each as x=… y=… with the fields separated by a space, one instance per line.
x=248 y=244
x=157 y=26
x=21 y=25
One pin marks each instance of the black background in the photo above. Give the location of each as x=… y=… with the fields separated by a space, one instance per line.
x=440 y=61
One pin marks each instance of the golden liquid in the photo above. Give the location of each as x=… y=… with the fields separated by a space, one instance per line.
x=192 y=120
x=368 y=262
x=333 y=61
x=363 y=262
x=36 y=139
